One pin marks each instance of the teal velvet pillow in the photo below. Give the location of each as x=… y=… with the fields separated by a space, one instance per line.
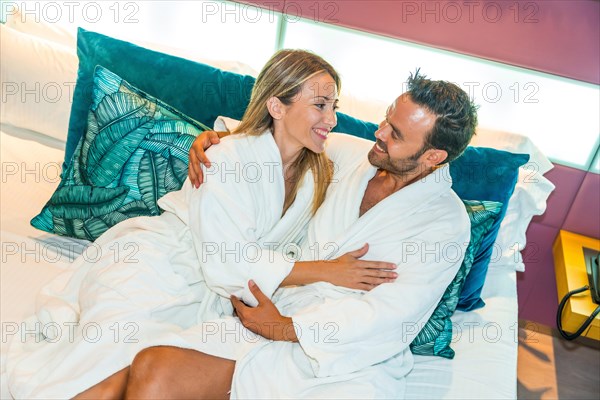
x=434 y=339
x=195 y=89
x=485 y=174
x=135 y=150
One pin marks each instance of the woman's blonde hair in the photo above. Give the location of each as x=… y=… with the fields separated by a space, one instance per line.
x=283 y=77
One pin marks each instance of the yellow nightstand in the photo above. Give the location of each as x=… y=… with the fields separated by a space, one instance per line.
x=569 y=265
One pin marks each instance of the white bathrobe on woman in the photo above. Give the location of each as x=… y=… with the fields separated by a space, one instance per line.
x=152 y=275
x=353 y=344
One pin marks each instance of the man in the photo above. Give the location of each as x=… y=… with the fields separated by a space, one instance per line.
x=320 y=340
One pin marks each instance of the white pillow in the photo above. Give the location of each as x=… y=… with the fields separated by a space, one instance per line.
x=514 y=143
x=528 y=199
x=37 y=78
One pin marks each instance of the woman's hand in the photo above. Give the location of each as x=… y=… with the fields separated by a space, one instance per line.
x=197 y=155
x=264 y=319
x=351 y=272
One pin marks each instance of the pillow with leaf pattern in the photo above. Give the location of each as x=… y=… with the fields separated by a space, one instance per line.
x=135 y=150
x=434 y=339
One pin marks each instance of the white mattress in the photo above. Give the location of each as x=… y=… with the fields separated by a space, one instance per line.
x=485 y=341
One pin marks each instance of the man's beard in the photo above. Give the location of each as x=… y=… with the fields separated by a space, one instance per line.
x=401 y=167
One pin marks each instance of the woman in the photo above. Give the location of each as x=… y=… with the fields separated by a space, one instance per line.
x=266 y=183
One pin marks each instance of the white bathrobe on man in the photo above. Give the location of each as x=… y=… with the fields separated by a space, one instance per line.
x=352 y=344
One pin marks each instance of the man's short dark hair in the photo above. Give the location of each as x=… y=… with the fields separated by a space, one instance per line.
x=456 y=113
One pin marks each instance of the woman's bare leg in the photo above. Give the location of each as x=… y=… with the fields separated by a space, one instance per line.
x=112 y=387
x=165 y=372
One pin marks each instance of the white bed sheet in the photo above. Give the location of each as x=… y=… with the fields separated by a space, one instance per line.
x=485 y=340
x=30 y=258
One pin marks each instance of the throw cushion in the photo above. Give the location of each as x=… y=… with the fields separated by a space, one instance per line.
x=134 y=151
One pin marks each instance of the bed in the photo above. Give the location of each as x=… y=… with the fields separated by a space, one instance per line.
x=33 y=139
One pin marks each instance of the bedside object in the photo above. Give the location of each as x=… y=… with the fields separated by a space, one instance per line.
x=574 y=256
x=592 y=266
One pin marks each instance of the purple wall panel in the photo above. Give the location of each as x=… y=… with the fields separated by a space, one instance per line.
x=567 y=181
x=584 y=214
x=536 y=287
x=524 y=33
